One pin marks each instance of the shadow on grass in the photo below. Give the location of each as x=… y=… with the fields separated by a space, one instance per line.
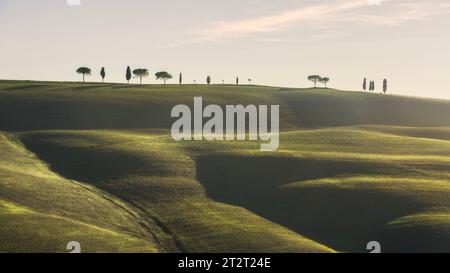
x=91 y=87
x=93 y=165
x=25 y=87
x=342 y=219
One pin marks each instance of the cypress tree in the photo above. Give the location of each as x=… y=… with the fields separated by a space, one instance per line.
x=103 y=74
x=128 y=75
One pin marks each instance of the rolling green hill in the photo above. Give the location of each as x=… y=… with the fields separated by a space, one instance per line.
x=96 y=164
x=26 y=106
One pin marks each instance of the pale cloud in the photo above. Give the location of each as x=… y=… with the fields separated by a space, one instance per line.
x=374 y=2
x=279 y=21
x=331 y=14
x=402 y=13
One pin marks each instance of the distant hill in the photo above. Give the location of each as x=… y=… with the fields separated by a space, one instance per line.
x=71 y=106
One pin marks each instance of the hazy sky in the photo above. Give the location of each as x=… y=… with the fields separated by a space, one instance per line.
x=274 y=42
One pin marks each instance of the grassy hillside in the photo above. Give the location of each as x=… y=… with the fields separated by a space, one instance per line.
x=151 y=173
x=351 y=168
x=26 y=106
x=42 y=211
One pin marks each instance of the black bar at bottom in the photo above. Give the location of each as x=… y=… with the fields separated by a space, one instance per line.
x=216 y=262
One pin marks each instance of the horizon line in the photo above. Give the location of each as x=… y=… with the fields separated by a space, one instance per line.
x=229 y=84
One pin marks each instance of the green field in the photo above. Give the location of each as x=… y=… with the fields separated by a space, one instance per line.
x=96 y=164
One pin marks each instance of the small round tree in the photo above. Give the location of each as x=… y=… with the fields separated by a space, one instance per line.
x=140 y=73
x=325 y=81
x=84 y=71
x=163 y=75
x=208 y=80
x=315 y=79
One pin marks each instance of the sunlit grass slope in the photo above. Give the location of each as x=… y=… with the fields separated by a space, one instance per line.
x=25 y=230
x=338 y=193
x=351 y=168
x=342 y=187
x=41 y=211
x=150 y=172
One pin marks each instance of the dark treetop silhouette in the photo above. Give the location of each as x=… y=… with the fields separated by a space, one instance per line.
x=315 y=79
x=325 y=81
x=128 y=74
x=140 y=73
x=163 y=75
x=84 y=71
x=103 y=74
